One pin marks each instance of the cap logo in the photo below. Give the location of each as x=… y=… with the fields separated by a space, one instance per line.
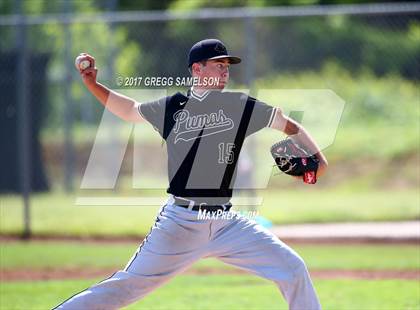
x=220 y=48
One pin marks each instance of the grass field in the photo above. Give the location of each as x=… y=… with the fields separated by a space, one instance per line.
x=37 y=255
x=226 y=292
x=219 y=290
x=57 y=213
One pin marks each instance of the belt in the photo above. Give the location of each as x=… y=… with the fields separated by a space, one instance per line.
x=190 y=204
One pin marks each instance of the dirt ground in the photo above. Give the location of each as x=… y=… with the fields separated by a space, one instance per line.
x=82 y=273
x=41 y=274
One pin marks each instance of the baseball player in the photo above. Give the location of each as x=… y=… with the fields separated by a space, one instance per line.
x=204 y=131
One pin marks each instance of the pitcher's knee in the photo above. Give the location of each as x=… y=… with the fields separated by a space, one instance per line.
x=296 y=261
x=287 y=266
x=300 y=271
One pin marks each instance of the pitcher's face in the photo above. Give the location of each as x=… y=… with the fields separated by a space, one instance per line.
x=216 y=69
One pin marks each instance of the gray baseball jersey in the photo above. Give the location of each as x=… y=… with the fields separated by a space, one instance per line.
x=204 y=136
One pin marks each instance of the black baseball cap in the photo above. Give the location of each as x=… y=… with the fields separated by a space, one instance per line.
x=210 y=49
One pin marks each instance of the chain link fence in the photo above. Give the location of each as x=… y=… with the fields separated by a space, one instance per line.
x=51 y=120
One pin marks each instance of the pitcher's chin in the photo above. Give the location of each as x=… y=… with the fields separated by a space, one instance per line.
x=220 y=85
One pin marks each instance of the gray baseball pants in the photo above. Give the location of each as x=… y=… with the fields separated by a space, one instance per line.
x=178 y=239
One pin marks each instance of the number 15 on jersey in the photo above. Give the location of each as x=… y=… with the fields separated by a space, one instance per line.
x=226 y=155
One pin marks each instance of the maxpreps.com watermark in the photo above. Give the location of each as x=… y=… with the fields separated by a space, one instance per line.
x=165 y=81
x=225 y=215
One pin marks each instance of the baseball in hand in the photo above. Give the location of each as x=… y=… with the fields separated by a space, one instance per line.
x=82 y=63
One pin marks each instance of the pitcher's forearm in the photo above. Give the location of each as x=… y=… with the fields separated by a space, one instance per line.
x=118 y=104
x=302 y=137
x=101 y=92
x=292 y=128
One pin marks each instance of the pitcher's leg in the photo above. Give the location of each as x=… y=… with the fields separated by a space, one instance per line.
x=168 y=249
x=122 y=289
x=299 y=292
x=249 y=246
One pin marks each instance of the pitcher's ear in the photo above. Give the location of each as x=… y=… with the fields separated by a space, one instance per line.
x=195 y=68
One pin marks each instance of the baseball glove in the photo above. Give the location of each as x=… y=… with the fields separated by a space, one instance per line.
x=294 y=160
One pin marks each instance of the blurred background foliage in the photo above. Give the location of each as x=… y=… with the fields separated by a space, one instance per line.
x=371 y=61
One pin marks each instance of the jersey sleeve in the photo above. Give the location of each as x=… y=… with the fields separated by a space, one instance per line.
x=154 y=113
x=262 y=116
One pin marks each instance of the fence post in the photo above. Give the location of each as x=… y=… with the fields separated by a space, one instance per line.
x=25 y=169
x=68 y=106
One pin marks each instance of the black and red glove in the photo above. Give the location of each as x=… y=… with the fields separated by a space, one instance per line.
x=294 y=160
